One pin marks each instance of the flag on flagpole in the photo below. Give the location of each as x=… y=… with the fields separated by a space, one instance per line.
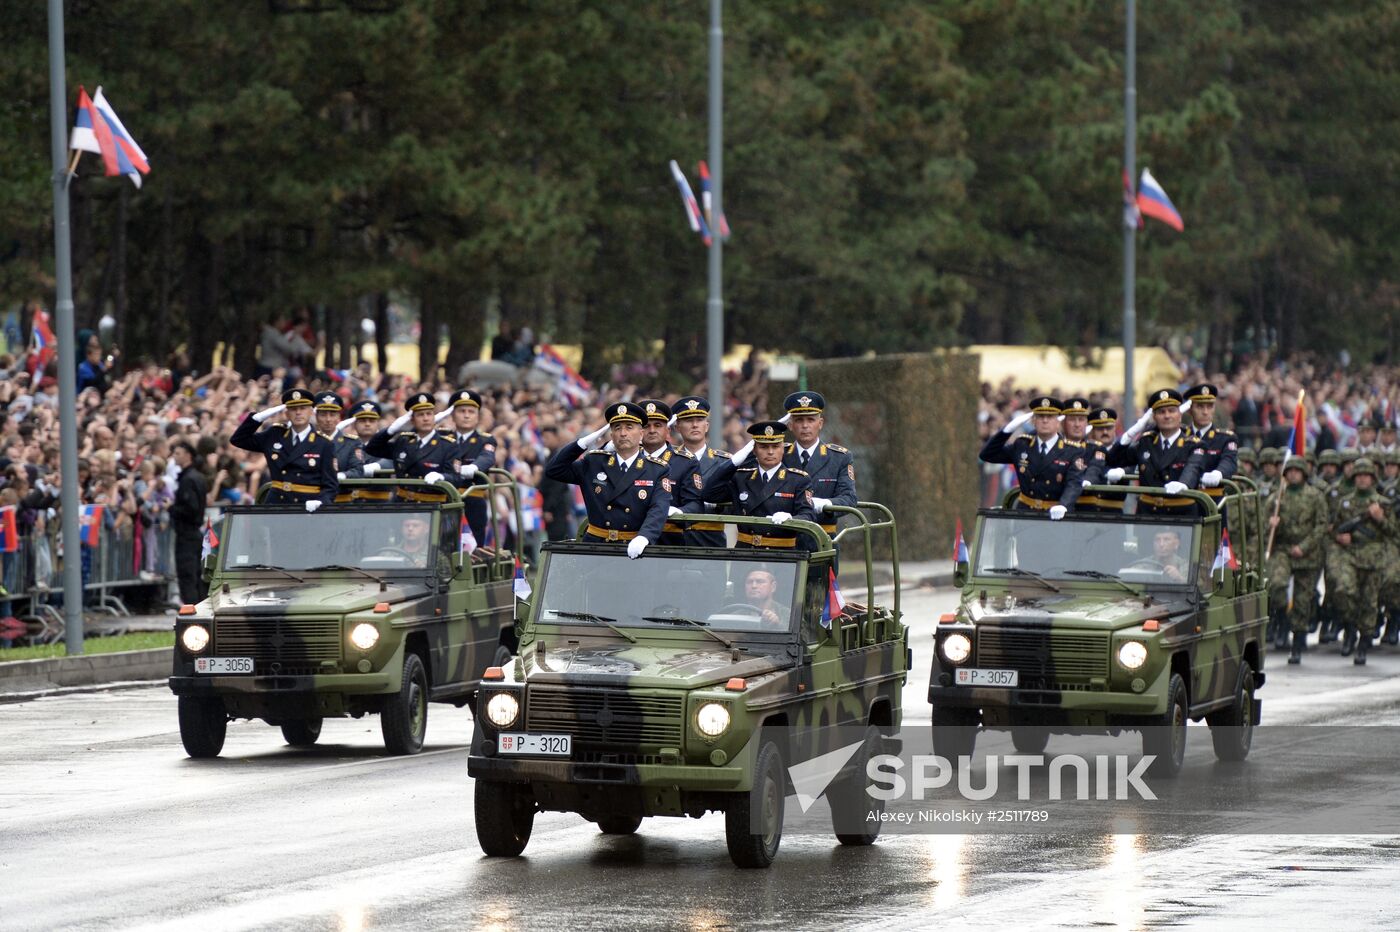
x=706 y=199
x=91 y=522
x=211 y=540
x=1152 y=200
x=1225 y=556
x=45 y=342
x=959 y=545
x=97 y=128
x=521 y=585
x=1132 y=217
x=692 y=209
x=835 y=605
x=1298 y=436
x=468 y=540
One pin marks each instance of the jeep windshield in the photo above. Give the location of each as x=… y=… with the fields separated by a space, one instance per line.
x=1122 y=550
x=374 y=541
x=669 y=593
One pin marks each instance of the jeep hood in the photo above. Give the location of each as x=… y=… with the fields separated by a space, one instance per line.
x=313 y=597
x=1102 y=611
x=678 y=666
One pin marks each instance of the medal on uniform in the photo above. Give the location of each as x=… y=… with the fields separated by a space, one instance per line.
x=277 y=446
x=743 y=496
x=642 y=494
x=597 y=490
x=274 y=456
x=601 y=477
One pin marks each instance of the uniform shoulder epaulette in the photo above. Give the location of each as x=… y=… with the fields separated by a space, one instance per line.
x=789 y=447
x=837 y=447
x=600 y=453
x=682 y=451
x=799 y=472
x=1076 y=443
x=651 y=459
x=724 y=453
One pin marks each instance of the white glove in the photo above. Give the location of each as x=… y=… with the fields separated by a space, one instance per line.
x=433 y=477
x=400 y=423
x=1186 y=406
x=1057 y=512
x=743 y=453
x=608 y=447
x=1115 y=474
x=785 y=418
x=266 y=413
x=671 y=423
x=340 y=428
x=1138 y=427
x=589 y=441
x=442 y=416
x=1015 y=423
x=369 y=469
x=1175 y=488
x=635 y=546
x=780 y=517
x=820 y=504
x=467 y=470
x=1084 y=484
x=673 y=511
x=340 y=476
x=312 y=505
x=1211 y=479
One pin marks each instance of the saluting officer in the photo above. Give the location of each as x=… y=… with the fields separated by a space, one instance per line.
x=1103 y=431
x=300 y=462
x=361 y=426
x=328 y=411
x=656 y=444
x=767 y=489
x=1049 y=468
x=692 y=415
x=626 y=492
x=420 y=454
x=830 y=467
x=473 y=455
x=1219 y=447
x=1074 y=422
x=1166 y=456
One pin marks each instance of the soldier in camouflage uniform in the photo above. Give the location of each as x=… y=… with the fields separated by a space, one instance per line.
x=1270 y=459
x=1295 y=562
x=1249 y=462
x=1329 y=469
x=1361 y=525
x=1390 y=471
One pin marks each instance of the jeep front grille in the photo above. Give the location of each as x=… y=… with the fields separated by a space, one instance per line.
x=292 y=642
x=606 y=717
x=1043 y=652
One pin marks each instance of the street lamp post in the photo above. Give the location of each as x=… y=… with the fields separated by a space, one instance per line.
x=714 y=304
x=1129 y=213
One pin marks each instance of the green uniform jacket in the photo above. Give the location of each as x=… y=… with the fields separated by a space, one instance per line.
x=1368 y=537
x=1303 y=521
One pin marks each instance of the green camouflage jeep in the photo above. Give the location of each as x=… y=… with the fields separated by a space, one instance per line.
x=1106 y=622
x=688 y=681
x=359 y=608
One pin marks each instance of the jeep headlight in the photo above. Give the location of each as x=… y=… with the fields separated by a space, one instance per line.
x=364 y=635
x=957 y=648
x=503 y=709
x=1132 y=654
x=195 y=638
x=712 y=719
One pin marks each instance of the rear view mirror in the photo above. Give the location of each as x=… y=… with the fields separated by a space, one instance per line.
x=960 y=571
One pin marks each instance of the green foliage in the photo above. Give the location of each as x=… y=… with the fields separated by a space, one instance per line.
x=899 y=175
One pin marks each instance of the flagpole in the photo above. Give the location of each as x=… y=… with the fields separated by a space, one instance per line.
x=1129 y=215
x=714 y=305
x=1278 y=497
x=63 y=330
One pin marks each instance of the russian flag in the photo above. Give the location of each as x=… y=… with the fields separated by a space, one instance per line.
x=45 y=343
x=211 y=541
x=706 y=199
x=1225 y=556
x=9 y=532
x=692 y=209
x=1152 y=200
x=959 y=545
x=835 y=605
x=91 y=522
x=521 y=585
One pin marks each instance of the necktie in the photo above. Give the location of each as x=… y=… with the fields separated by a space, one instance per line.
x=806 y=458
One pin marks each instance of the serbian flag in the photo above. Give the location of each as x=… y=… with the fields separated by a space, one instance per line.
x=9 y=533
x=959 y=545
x=97 y=128
x=91 y=523
x=1298 y=436
x=45 y=343
x=468 y=541
x=706 y=200
x=531 y=509
x=574 y=388
x=1152 y=200
x=692 y=209
x=522 y=585
x=211 y=541
x=1225 y=556
x=835 y=605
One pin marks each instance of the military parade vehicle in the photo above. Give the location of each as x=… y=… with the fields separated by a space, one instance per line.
x=686 y=682
x=1107 y=622
x=364 y=607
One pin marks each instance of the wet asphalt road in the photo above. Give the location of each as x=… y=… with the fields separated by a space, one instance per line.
x=105 y=823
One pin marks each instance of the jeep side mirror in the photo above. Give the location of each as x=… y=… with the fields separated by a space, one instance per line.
x=960 y=573
x=207 y=570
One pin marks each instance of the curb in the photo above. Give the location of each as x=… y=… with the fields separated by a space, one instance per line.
x=38 y=677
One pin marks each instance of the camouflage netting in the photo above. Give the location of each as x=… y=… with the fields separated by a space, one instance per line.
x=910 y=421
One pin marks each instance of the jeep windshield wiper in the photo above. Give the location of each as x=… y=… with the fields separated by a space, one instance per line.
x=264 y=566
x=702 y=625
x=596 y=619
x=341 y=567
x=1098 y=574
x=1017 y=571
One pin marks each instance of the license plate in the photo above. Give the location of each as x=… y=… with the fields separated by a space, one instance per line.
x=223 y=665
x=538 y=745
x=971 y=677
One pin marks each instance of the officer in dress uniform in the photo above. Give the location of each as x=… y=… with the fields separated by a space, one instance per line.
x=1074 y=422
x=831 y=468
x=300 y=462
x=1103 y=431
x=421 y=453
x=361 y=426
x=328 y=411
x=692 y=415
x=1165 y=456
x=473 y=456
x=767 y=489
x=1049 y=468
x=627 y=493
x=656 y=444
x=1219 y=447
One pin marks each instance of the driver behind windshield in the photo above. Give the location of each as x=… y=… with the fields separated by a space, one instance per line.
x=759 y=587
x=414 y=540
x=1166 y=547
